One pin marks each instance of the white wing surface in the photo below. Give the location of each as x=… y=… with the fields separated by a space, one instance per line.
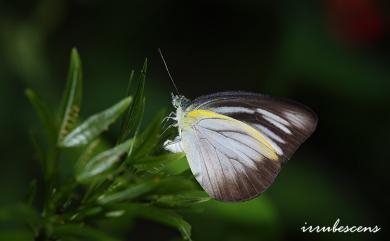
x=228 y=159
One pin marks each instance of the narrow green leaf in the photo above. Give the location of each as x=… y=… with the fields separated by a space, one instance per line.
x=39 y=152
x=176 y=184
x=137 y=120
x=165 y=157
x=135 y=111
x=114 y=214
x=95 y=125
x=71 y=101
x=48 y=158
x=177 y=166
x=185 y=199
x=44 y=114
x=144 y=68
x=127 y=115
x=92 y=149
x=129 y=193
x=86 y=213
x=80 y=231
x=103 y=162
x=149 y=139
x=164 y=216
x=156 y=164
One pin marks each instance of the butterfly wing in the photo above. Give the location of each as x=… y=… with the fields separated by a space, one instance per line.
x=231 y=160
x=285 y=123
x=235 y=142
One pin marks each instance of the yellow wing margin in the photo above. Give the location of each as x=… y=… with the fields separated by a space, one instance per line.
x=195 y=115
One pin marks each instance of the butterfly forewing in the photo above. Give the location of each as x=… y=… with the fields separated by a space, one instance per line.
x=285 y=123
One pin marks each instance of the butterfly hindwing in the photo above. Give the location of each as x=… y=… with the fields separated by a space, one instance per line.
x=230 y=159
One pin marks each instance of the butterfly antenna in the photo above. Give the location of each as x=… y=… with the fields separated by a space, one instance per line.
x=166 y=67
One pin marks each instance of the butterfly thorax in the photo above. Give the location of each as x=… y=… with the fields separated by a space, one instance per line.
x=180 y=103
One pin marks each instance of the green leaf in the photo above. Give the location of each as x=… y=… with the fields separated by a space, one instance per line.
x=95 y=125
x=71 y=101
x=185 y=199
x=137 y=124
x=155 y=164
x=92 y=149
x=82 y=232
x=39 y=152
x=47 y=159
x=134 y=114
x=99 y=165
x=129 y=193
x=149 y=139
x=126 y=118
x=88 y=212
x=175 y=184
x=165 y=157
x=177 y=166
x=44 y=114
x=164 y=216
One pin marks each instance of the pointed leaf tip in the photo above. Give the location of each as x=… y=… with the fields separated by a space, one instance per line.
x=134 y=115
x=75 y=56
x=145 y=66
x=71 y=101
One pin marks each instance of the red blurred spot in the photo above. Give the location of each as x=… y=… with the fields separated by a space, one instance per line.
x=356 y=20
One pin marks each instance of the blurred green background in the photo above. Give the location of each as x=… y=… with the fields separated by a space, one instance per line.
x=332 y=55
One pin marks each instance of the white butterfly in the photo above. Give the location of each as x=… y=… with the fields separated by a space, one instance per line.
x=236 y=142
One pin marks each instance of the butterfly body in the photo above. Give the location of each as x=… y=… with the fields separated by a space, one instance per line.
x=236 y=142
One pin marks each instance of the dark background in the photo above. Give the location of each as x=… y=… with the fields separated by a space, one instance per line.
x=332 y=55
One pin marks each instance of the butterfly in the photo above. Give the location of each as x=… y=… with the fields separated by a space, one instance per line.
x=236 y=142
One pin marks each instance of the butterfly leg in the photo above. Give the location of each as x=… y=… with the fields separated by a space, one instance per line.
x=171 y=116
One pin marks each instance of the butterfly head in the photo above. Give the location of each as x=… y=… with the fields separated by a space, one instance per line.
x=179 y=101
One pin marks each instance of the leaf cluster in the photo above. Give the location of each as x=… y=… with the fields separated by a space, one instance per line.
x=131 y=176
